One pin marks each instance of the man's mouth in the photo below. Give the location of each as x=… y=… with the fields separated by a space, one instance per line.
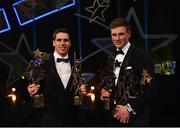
x=62 y=47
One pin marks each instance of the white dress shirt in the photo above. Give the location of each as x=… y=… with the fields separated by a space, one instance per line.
x=120 y=58
x=63 y=69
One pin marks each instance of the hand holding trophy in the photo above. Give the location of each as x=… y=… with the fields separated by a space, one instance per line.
x=107 y=78
x=35 y=73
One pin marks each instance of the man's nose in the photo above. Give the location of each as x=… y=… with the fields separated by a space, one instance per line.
x=118 y=37
x=62 y=42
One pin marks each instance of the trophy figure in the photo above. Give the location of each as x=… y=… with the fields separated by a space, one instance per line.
x=78 y=80
x=107 y=78
x=76 y=72
x=35 y=73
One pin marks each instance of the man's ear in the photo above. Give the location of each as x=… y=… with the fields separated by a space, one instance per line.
x=53 y=43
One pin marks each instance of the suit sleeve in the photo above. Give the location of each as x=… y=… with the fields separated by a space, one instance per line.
x=147 y=91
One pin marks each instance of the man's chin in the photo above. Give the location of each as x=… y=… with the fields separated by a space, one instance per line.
x=63 y=53
x=118 y=45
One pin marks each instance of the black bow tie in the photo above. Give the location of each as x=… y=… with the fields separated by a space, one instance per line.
x=117 y=63
x=119 y=52
x=62 y=60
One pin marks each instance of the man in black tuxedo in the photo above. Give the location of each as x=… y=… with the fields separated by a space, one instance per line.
x=56 y=85
x=133 y=89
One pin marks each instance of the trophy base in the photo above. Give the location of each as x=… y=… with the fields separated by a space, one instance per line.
x=77 y=100
x=107 y=103
x=38 y=100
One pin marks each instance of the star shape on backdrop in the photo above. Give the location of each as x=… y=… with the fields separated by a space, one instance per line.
x=105 y=44
x=97 y=10
x=15 y=62
x=169 y=37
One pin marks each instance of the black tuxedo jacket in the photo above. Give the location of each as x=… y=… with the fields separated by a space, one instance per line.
x=59 y=109
x=139 y=59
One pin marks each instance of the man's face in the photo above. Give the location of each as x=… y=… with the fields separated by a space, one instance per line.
x=62 y=43
x=120 y=36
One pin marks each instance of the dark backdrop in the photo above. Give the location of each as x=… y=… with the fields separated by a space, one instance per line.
x=154 y=28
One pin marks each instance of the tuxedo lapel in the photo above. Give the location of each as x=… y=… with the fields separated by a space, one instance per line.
x=54 y=71
x=60 y=84
x=126 y=60
x=121 y=88
x=70 y=83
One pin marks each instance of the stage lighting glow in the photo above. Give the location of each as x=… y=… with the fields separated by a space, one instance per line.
x=13 y=89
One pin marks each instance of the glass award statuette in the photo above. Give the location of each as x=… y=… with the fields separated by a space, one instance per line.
x=78 y=80
x=35 y=73
x=168 y=67
x=165 y=68
x=107 y=78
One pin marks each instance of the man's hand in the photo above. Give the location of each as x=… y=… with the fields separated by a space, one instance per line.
x=82 y=89
x=105 y=93
x=122 y=114
x=33 y=88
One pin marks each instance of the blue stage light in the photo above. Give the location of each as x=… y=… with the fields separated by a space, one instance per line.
x=4 y=23
x=27 y=11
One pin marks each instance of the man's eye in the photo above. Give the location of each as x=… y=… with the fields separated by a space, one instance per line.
x=65 y=40
x=114 y=34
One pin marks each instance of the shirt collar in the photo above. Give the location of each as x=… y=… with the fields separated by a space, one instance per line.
x=125 y=48
x=56 y=55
